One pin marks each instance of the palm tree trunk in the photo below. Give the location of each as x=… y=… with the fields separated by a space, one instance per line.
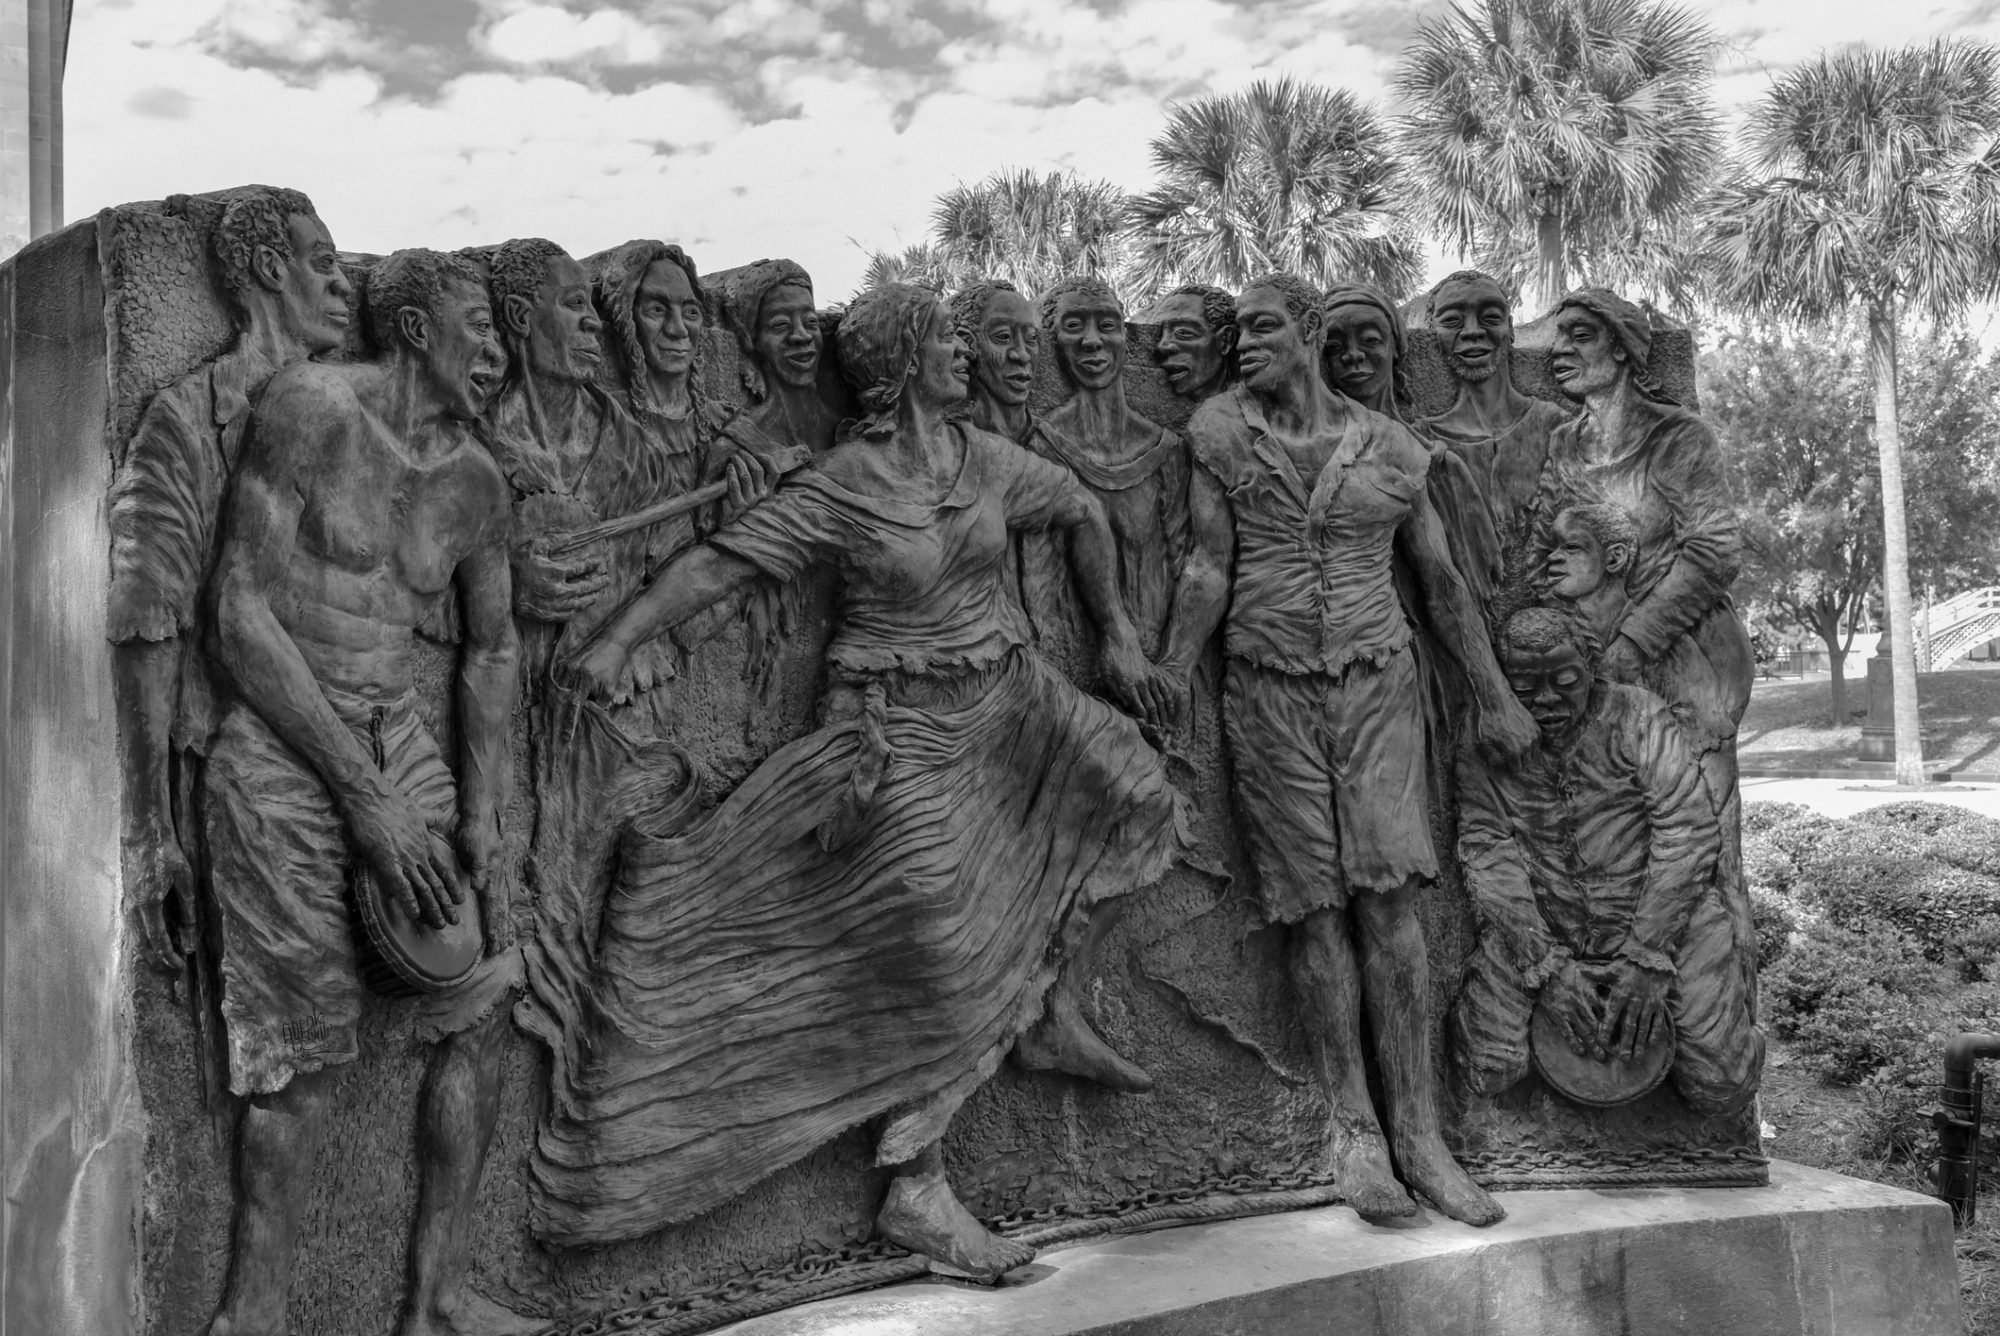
x=1895 y=543
x=1550 y=277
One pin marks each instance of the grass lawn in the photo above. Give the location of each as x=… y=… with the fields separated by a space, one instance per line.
x=1816 y=1124
x=1786 y=725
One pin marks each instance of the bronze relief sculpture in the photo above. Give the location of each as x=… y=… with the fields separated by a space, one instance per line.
x=772 y=959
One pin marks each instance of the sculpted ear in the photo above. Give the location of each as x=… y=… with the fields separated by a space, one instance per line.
x=415 y=327
x=1617 y=556
x=517 y=313
x=269 y=267
x=1313 y=325
x=1225 y=339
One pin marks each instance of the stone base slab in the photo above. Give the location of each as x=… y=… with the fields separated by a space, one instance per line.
x=1814 y=1254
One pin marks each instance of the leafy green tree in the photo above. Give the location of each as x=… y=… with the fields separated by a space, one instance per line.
x=1793 y=409
x=1017 y=224
x=1576 y=132
x=1283 y=175
x=1876 y=185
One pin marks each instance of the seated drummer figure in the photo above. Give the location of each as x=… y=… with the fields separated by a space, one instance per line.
x=1591 y=866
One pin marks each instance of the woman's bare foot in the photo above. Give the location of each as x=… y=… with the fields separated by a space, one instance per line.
x=1362 y=1172
x=923 y=1215
x=1430 y=1169
x=1062 y=1041
x=471 y=1314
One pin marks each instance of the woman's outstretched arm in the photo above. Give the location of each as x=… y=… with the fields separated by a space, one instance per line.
x=691 y=582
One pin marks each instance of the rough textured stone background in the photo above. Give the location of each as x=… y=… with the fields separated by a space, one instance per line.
x=1192 y=986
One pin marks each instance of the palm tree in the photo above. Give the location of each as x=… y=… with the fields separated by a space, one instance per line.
x=1017 y=224
x=1879 y=188
x=1284 y=175
x=924 y=264
x=1572 y=130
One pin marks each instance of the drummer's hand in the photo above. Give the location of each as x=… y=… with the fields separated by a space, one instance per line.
x=1634 y=1009
x=555 y=589
x=393 y=836
x=750 y=479
x=480 y=845
x=1573 y=1002
x=599 y=669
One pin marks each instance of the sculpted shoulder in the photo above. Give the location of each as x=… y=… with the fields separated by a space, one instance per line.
x=307 y=391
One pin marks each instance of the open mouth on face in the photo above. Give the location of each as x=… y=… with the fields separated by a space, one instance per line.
x=806 y=359
x=481 y=382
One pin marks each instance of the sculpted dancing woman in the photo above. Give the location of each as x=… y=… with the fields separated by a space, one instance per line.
x=869 y=921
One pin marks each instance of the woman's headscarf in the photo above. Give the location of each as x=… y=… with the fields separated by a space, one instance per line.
x=741 y=301
x=1364 y=294
x=878 y=338
x=615 y=276
x=1630 y=326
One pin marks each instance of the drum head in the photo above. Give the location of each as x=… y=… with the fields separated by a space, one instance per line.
x=1582 y=1078
x=403 y=956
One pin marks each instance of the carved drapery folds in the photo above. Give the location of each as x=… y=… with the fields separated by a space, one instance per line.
x=912 y=767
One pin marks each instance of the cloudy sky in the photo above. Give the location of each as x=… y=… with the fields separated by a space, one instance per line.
x=815 y=129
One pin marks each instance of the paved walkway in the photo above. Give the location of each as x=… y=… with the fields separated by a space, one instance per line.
x=1845 y=797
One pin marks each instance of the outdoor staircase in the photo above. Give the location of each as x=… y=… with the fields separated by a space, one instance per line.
x=1957 y=626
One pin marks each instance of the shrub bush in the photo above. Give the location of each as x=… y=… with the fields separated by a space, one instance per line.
x=1772 y=917
x=1854 y=999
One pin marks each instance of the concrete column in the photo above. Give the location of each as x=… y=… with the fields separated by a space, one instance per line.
x=34 y=43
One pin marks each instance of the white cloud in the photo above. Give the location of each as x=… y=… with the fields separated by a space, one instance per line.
x=543 y=34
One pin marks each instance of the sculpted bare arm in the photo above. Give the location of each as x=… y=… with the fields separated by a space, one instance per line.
x=1202 y=595
x=487 y=673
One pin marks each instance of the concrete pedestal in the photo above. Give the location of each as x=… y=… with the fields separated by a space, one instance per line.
x=1814 y=1254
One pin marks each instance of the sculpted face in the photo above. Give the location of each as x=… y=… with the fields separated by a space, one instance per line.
x=1585 y=359
x=1090 y=335
x=1475 y=330
x=1553 y=686
x=944 y=363
x=1580 y=565
x=315 y=292
x=1004 y=347
x=1273 y=347
x=463 y=353
x=1360 y=350
x=669 y=317
x=1191 y=353
x=563 y=327
x=788 y=335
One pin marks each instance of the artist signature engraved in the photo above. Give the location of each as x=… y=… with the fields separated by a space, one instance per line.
x=307 y=1032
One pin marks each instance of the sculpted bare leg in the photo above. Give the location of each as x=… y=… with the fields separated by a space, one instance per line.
x=923 y=1214
x=1396 y=981
x=461 y=1105
x=1063 y=1041
x=276 y=1142
x=1326 y=980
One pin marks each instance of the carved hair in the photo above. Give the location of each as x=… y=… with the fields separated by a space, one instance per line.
x=615 y=276
x=518 y=268
x=1363 y=294
x=1087 y=285
x=741 y=305
x=878 y=337
x=1608 y=522
x=412 y=278
x=1544 y=630
x=968 y=304
x=1302 y=301
x=1218 y=308
x=256 y=216
x=1630 y=327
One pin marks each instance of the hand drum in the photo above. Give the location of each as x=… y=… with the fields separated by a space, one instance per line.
x=1581 y=1077
x=405 y=957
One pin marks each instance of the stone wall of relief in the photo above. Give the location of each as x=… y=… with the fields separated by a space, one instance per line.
x=757 y=1037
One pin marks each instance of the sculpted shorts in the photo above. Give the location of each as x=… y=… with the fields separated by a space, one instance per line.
x=1329 y=780
x=281 y=859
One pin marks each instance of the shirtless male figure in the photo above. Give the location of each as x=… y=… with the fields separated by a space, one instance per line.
x=1307 y=496
x=362 y=496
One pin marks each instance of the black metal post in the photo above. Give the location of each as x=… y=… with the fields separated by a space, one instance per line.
x=1957 y=1171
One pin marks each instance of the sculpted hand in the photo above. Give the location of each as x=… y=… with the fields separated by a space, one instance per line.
x=1622 y=662
x=555 y=589
x=480 y=845
x=1506 y=729
x=1573 y=1002
x=1634 y=1009
x=419 y=872
x=163 y=895
x=1125 y=670
x=599 y=669
x=750 y=479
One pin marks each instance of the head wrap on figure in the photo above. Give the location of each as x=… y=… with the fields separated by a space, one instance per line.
x=1630 y=326
x=878 y=339
x=615 y=276
x=741 y=302
x=1366 y=294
